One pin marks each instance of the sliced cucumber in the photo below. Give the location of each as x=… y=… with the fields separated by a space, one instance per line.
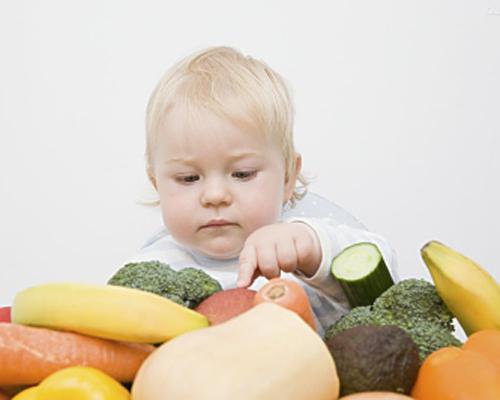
x=362 y=273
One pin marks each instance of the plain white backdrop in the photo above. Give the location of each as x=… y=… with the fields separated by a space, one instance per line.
x=397 y=116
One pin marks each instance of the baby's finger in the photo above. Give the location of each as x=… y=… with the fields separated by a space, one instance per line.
x=248 y=266
x=305 y=251
x=287 y=256
x=267 y=261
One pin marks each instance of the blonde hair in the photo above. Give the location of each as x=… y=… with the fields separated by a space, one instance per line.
x=233 y=86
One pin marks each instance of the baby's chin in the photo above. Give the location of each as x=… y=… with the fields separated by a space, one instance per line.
x=220 y=255
x=221 y=252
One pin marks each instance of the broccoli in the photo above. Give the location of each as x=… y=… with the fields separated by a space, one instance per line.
x=197 y=285
x=187 y=287
x=412 y=300
x=357 y=316
x=414 y=306
x=151 y=276
x=430 y=337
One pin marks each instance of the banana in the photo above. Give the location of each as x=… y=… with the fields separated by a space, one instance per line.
x=471 y=293
x=105 y=311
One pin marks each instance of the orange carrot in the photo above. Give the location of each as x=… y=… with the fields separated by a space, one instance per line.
x=288 y=294
x=29 y=354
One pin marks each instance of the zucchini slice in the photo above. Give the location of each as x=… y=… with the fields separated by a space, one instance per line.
x=362 y=273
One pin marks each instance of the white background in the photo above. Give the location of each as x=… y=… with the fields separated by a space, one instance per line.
x=397 y=117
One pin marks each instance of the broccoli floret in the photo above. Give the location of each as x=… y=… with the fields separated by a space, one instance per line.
x=197 y=285
x=410 y=301
x=412 y=305
x=150 y=276
x=430 y=337
x=175 y=298
x=357 y=316
x=187 y=287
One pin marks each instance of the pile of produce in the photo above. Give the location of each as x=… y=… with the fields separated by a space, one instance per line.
x=412 y=305
x=153 y=333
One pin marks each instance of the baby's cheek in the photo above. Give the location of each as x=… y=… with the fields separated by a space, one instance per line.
x=260 y=215
x=176 y=220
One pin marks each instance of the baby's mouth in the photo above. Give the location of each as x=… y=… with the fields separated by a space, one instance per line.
x=217 y=224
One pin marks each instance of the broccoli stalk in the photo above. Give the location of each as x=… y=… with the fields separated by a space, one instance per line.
x=187 y=287
x=415 y=306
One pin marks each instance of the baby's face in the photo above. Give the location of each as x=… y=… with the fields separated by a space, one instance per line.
x=217 y=182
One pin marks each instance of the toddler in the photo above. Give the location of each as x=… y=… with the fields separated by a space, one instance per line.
x=221 y=157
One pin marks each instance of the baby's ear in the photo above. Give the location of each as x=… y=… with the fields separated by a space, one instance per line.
x=291 y=177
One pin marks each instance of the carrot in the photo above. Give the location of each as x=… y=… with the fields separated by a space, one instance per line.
x=29 y=354
x=288 y=294
x=11 y=391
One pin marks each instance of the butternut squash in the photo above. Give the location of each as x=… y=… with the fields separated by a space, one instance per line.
x=267 y=352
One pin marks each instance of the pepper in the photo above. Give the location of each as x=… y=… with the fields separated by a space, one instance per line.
x=76 y=383
x=27 y=394
x=471 y=372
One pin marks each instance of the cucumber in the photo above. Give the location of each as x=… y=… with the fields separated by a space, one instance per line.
x=362 y=273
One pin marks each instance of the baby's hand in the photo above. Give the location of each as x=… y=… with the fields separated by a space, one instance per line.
x=279 y=247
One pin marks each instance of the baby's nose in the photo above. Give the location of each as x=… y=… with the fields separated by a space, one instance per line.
x=216 y=192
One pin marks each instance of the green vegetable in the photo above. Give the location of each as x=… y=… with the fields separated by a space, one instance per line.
x=357 y=316
x=362 y=273
x=412 y=300
x=414 y=306
x=430 y=337
x=188 y=287
x=197 y=285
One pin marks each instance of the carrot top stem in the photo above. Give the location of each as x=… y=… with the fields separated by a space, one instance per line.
x=276 y=291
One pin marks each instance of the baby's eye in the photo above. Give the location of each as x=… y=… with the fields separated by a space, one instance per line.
x=243 y=174
x=187 y=178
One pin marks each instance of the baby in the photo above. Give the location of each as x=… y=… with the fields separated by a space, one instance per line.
x=221 y=157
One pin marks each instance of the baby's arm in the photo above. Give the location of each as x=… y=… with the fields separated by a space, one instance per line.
x=334 y=238
x=286 y=246
x=306 y=247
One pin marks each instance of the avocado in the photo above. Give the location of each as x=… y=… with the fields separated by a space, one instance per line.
x=374 y=358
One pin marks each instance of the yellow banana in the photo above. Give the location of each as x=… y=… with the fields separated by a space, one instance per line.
x=105 y=311
x=470 y=292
